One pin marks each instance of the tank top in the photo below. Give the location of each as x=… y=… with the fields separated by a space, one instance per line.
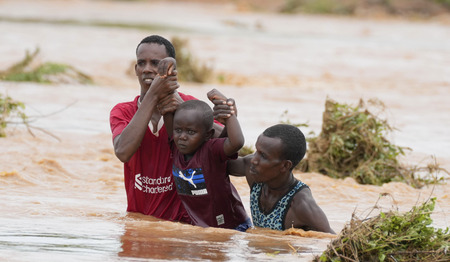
x=275 y=219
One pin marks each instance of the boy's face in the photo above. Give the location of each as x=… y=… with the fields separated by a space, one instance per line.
x=189 y=132
x=267 y=162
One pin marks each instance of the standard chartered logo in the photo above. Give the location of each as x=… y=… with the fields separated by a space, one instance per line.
x=138 y=182
x=153 y=185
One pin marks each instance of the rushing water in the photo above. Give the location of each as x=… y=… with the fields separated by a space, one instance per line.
x=65 y=200
x=62 y=195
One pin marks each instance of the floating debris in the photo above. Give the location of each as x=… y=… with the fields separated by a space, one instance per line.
x=391 y=236
x=353 y=143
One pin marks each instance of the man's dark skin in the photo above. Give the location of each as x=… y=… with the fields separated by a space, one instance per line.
x=156 y=91
x=153 y=88
x=268 y=166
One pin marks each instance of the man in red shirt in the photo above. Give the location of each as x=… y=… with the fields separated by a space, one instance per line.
x=140 y=137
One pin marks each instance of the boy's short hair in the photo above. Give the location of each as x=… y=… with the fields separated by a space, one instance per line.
x=203 y=107
x=156 y=39
x=293 y=140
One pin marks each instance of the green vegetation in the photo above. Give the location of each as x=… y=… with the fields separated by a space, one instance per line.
x=444 y=2
x=285 y=120
x=391 y=237
x=415 y=8
x=43 y=73
x=189 y=69
x=353 y=143
x=10 y=110
x=246 y=150
x=319 y=7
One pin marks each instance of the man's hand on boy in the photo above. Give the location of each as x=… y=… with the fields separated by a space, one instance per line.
x=223 y=107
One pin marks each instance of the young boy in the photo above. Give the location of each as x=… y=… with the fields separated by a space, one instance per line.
x=199 y=165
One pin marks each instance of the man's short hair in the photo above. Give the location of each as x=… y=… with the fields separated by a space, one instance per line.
x=293 y=140
x=200 y=106
x=156 y=39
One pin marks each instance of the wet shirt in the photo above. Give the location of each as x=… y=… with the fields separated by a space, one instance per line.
x=275 y=218
x=148 y=177
x=205 y=188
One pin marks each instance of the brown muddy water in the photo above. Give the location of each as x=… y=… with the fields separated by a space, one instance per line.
x=62 y=195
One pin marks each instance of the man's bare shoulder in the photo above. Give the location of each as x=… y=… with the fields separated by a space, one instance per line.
x=305 y=213
x=302 y=199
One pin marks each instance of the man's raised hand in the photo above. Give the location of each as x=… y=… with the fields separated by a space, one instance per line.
x=223 y=107
x=167 y=67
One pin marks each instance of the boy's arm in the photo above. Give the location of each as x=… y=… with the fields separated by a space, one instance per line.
x=235 y=138
x=168 y=122
x=168 y=105
x=221 y=111
x=126 y=143
x=167 y=108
